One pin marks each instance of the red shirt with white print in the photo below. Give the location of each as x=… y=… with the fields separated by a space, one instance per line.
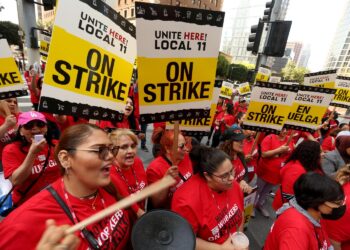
x=24 y=227
x=269 y=167
x=292 y=230
x=212 y=215
x=8 y=136
x=131 y=180
x=13 y=157
x=157 y=169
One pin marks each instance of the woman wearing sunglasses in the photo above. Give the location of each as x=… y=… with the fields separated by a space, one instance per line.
x=29 y=161
x=127 y=172
x=298 y=224
x=211 y=201
x=178 y=166
x=85 y=155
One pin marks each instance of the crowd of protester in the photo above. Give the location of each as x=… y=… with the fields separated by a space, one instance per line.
x=64 y=169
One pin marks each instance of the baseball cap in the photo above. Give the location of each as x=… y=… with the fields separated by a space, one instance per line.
x=234 y=133
x=29 y=116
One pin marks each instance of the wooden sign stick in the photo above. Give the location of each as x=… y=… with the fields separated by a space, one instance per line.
x=128 y=201
x=176 y=142
x=255 y=142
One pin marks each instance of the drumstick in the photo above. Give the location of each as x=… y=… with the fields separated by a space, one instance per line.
x=128 y=201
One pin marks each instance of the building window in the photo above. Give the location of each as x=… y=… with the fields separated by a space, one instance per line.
x=132 y=12
x=118 y=2
x=125 y=1
x=125 y=13
x=216 y=3
x=199 y=3
x=346 y=46
x=193 y=1
x=204 y=6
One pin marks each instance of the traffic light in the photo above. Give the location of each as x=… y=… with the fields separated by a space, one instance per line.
x=255 y=37
x=268 y=10
x=49 y=4
x=277 y=40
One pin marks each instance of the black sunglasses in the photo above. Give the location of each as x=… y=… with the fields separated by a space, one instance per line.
x=30 y=125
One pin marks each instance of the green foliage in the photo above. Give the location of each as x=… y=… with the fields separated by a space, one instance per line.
x=222 y=66
x=292 y=72
x=9 y=31
x=237 y=72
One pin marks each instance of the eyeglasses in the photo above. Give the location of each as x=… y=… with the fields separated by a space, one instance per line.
x=335 y=204
x=30 y=125
x=226 y=176
x=126 y=146
x=182 y=145
x=102 y=151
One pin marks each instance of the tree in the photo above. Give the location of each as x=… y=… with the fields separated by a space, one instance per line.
x=222 y=66
x=238 y=72
x=9 y=31
x=292 y=72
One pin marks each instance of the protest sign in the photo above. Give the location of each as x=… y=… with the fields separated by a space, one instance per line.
x=275 y=78
x=200 y=126
x=308 y=108
x=91 y=59
x=226 y=90
x=263 y=74
x=269 y=106
x=244 y=89
x=177 y=56
x=11 y=81
x=44 y=42
x=248 y=207
x=289 y=82
x=342 y=96
x=323 y=79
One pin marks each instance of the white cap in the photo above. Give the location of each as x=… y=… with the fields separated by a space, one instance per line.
x=343 y=133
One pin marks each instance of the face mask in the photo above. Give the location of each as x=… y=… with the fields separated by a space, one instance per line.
x=336 y=214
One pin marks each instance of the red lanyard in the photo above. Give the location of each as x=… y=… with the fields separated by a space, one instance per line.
x=131 y=189
x=75 y=218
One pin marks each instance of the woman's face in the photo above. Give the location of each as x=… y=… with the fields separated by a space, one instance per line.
x=32 y=128
x=237 y=146
x=222 y=179
x=87 y=167
x=12 y=104
x=127 y=151
x=181 y=149
x=129 y=107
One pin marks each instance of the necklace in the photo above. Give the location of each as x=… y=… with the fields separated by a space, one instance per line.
x=93 y=203
x=132 y=189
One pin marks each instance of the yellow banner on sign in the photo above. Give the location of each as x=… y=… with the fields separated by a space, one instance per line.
x=263 y=74
x=165 y=81
x=244 y=89
x=226 y=90
x=9 y=73
x=44 y=50
x=262 y=113
x=93 y=72
x=306 y=114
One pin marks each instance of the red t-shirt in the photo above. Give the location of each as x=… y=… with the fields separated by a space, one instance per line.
x=339 y=230
x=217 y=111
x=239 y=169
x=228 y=120
x=289 y=174
x=130 y=180
x=212 y=215
x=33 y=98
x=122 y=124
x=159 y=125
x=7 y=137
x=70 y=122
x=269 y=168
x=252 y=164
x=13 y=157
x=24 y=227
x=293 y=231
x=157 y=169
x=328 y=143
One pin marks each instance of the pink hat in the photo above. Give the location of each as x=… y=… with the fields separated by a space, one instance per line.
x=29 y=116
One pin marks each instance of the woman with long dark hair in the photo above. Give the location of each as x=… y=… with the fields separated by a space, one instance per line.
x=85 y=155
x=306 y=157
x=29 y=163
x=223 y=121
x=211 y=201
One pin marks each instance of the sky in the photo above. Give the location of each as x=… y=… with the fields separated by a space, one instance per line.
x=314 y=23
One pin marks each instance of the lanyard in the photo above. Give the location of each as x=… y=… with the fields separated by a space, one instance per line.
x=131 y=189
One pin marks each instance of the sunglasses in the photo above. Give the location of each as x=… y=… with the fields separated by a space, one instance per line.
x=102 y=151
x=181 y=146
x=30 y=125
